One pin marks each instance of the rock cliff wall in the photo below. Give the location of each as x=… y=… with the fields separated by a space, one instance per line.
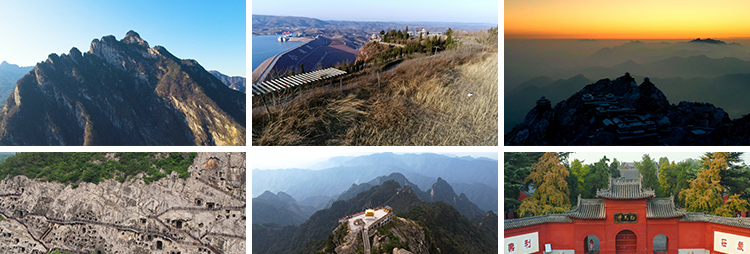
x=172 y=215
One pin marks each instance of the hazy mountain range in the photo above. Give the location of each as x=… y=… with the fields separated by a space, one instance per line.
x=235 y=82
x=9 y=74
x=283 y=209
x=561 y=59
x=572 y=122
x=442 y=227
x=643 y=52
x=122 y=93
x=280 y=208
x=703 y=70
x=267 y=24
x=476 y=178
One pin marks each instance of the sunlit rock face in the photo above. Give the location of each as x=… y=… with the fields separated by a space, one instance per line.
x=122 y=93
x=171 y=215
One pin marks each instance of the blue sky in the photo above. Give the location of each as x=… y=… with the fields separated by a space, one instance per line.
x=211 y=32
x=485 y=11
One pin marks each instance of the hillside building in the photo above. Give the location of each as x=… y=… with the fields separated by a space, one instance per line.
x=370 y=218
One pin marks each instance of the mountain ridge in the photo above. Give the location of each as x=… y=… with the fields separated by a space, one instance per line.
x=441 y=191
x=310 y=236
x=263 y=24
x=420 y=169
x=279 y=208
x=465 y=236
x=235 y=82
x=122 y=93
x=685 y=123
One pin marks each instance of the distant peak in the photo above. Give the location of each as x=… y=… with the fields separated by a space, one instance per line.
x=580 y=75
x=109 y=39
x=134 y=38
x=132 y=33
x=74 y=52
x=396 y=174
x=708 y=40
x=4 y=63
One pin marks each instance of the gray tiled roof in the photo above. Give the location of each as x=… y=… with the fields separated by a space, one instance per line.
x=523 y=222
x=659 y=208
x=630 y=173
x=622 y=188
x=588 y=209
x=730 y=221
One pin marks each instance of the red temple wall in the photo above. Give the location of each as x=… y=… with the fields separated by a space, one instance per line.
x=695 y=235
x=680 y=235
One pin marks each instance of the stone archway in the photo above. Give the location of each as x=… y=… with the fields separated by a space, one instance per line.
x=626 y=242
x=591 y=244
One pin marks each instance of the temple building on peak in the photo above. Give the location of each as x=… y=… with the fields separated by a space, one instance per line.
x=626 y=218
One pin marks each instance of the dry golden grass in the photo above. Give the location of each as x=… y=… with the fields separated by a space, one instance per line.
x=422 y=101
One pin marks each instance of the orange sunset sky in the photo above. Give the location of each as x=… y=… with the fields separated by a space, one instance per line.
x=637 y=19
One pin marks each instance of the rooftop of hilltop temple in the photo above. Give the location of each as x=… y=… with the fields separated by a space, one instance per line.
x=360 y=220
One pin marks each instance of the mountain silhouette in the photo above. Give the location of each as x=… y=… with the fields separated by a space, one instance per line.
x=280 y=208
x=636 y=115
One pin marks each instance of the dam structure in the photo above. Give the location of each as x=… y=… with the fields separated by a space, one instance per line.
x=318 y=53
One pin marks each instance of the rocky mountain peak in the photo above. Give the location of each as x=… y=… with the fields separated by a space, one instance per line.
x=75 y=53
x=109 y=39
x=267 y=195
x=122 y=93
x=441 y=184
x=134 y=38
x=403 y=232
x=619 y=112
x=708 y=40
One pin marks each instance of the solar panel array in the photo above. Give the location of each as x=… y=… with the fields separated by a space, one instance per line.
x=294 y=81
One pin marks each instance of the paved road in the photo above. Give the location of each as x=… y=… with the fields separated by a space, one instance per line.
x=393 y=44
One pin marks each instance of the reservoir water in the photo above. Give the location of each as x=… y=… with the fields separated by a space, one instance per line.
x=267 y=46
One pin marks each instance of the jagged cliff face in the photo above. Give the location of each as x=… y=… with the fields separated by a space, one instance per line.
x=171 y=215
x=403 y=233
x=122 y=93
